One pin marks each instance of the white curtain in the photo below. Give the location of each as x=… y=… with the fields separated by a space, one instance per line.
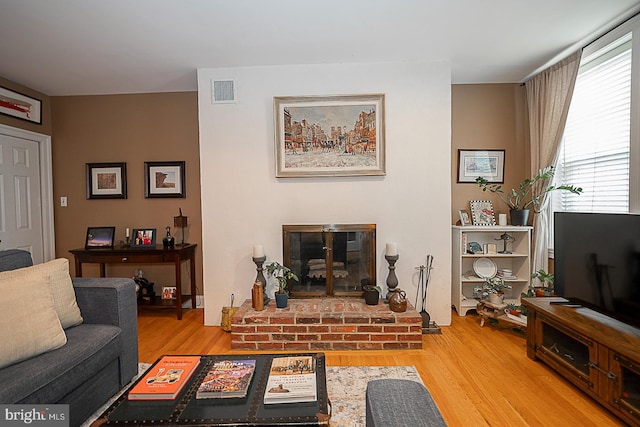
x=548 y=97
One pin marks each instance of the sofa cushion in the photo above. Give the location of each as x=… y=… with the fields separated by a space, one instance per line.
x=49 y=376
x=30 y=325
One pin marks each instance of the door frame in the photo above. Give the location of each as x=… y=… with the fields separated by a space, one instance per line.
x=46 y=184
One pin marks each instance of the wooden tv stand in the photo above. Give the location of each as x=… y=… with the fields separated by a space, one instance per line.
x=598 y=354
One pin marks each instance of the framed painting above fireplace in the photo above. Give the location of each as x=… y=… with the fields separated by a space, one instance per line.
x=329 y=135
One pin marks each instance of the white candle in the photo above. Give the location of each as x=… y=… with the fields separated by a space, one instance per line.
x=392 y=249
x=502 y=219
x=127 y=232
x=258 y=251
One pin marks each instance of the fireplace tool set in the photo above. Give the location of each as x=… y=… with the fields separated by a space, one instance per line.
x=428 y=326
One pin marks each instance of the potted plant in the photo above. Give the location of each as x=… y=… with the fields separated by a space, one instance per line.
x=546 y=280
x=282 y=274
x=371 y=294
x=492 y=289
x=515 y=310
x=528 y=194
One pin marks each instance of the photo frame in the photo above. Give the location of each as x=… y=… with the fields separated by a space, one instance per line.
x=143 y=238
x=488 y=164
x=21 y=106
x=341 y=135
x=99 y=238
x=169 y=292
x=465 y=219
x=164 y=179
x=482 y=212
x=106 y=180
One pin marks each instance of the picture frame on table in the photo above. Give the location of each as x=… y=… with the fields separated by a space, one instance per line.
x=19 y=105
x=143 y=238
x=164 y=179
x=106 y=180
x=337 y=135
x=465 y=219
x=482 y=212
x=99 y=238
x=487 y=164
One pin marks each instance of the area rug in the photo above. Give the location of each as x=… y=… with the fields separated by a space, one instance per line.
x=346 y=387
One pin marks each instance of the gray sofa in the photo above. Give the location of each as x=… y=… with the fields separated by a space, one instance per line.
x=99 y=358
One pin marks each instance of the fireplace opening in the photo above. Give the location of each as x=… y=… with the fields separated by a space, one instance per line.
x=330 y=260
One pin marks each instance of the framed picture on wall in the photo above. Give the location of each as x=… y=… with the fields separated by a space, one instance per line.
x=329 y=135
x=488 y=164
x=164 y=179
x=99 y=237
x=143 y=238
x=21 y=106
x=106 y=180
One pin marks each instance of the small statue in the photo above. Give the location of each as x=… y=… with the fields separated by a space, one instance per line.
x=168 y=242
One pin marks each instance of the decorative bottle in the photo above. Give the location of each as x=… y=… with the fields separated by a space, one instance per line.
x=168 y=242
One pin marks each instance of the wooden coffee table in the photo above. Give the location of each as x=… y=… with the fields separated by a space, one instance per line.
x=249 y=411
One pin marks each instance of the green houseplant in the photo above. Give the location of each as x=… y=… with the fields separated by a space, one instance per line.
x=282 y=274
x=528 y=194
x=371 y=294
x=492 y=286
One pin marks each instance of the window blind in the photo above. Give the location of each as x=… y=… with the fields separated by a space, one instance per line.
x=596 y=141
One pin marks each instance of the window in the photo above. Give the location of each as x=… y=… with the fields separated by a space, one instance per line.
x=601 y=141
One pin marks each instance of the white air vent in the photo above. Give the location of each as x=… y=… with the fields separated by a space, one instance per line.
x=223 y=91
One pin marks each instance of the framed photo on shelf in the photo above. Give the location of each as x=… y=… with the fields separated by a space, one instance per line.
x=143 y=238
x=465 y=219
x=164 y=179
x=340 y=135
x=168 y=292
x=21 y=106
x=99 y=237
x=482 y=212
x=106 y=180
x=488 y=164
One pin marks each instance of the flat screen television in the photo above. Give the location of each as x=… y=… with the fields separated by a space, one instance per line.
x=597 y=262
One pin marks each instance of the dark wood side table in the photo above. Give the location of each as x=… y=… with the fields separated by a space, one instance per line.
x=153 y=255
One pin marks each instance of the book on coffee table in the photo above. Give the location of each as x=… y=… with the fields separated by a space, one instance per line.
x=166 y=379
x=292 y=379
x=226 y=379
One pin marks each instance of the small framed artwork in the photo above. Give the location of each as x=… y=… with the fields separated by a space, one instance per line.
x=339 y=135
x=99 y=237
x=482 y=212
x=164 y=180
x=21 y=106
x=143 y=238
x=168 y=292
x=488 y=164
x=106 y=180
x=465 y=219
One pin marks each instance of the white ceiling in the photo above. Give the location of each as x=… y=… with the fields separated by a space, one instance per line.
x=82 y=47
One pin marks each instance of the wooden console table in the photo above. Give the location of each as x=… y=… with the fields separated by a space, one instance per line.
x=153 y=255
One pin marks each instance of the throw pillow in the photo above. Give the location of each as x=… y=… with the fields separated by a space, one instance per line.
x=59 y=280
x=30 y=325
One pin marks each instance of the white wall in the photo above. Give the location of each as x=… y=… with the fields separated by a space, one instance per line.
x=243 y=203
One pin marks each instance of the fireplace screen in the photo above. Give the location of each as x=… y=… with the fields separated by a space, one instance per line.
x=329 y=260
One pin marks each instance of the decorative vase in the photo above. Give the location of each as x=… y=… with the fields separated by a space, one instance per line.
x=519 y=216
x=496 y=298
x=371 y=296
x=281 y=300
x=168 y=242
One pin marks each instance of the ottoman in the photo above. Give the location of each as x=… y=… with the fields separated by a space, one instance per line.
x=400 y=403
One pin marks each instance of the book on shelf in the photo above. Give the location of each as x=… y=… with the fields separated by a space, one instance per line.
x=291 y=379
x=166 y=379
x=226 y=379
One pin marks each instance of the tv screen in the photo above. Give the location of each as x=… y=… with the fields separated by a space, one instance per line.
x=597 y=262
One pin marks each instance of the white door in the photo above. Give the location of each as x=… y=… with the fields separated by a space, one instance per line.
x=20 y=196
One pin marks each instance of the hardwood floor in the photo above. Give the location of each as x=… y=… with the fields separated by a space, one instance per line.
x=477 y=376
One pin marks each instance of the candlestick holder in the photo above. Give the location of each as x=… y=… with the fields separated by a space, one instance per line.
x=128 y=241
x=260 y=278
x=392 y=279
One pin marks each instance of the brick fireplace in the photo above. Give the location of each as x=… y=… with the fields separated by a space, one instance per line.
x=325 y=324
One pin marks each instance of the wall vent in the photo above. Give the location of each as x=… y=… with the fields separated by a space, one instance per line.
x=223 y=91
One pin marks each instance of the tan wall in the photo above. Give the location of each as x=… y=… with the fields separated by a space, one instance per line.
x=132 y=129
x=45 y=127
x=487 y=116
